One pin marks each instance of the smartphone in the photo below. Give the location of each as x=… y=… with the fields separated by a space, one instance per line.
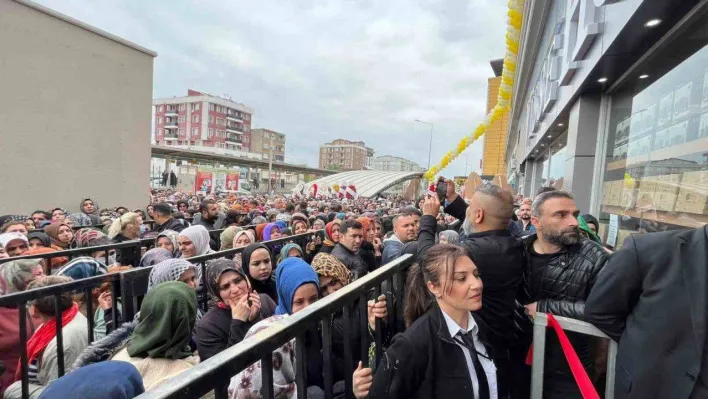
x=441 y=190
x=250 y=291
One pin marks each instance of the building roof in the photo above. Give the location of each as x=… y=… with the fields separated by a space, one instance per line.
x=368 y=183
x=497 y=66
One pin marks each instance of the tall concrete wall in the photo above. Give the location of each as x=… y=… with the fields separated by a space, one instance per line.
x=75 y=113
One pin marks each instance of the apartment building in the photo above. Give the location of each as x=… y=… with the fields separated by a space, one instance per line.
x=396 y=164
x=203 y=121
x=343 y=154
x=261 y=144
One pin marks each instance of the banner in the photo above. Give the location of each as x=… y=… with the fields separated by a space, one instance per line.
x=232 y=181
x=204 y=181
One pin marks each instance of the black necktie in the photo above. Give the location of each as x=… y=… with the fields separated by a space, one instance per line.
x=479 y=370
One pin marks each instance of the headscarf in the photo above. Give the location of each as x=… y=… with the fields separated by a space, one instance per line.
x=259 y=231
x=238 y=235
x=6 y=238
x=95 y=207
x=326 y=265
x=289 y=276
x=171 y=270
x=227 y=237
x=172 y=236
x=88 y=237
x=250 y=380
x=452 y=236
x=341 y=216
x=82 y=267
x=155 y=256
x=15 y=275
x=329 y=241
x=331 y=217
x=167 y=317
x=365 y=223
x=12 y=218
x=80 y=219
x=267 y=287
x=53 y=232
x=116 y=380
x=300 y=221
x=287 y=248
x=281 y=224
x=46 y=242
x=199 y=236
x=319 y=224
x=214 y=270
x=268 y=231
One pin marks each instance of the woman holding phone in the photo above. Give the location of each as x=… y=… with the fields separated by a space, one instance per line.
x=237 y=308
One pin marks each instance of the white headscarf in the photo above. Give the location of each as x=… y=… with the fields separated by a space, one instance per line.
x=199 y=236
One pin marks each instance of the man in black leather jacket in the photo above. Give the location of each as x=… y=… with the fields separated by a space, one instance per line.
x=346 y=250
x=560 y=272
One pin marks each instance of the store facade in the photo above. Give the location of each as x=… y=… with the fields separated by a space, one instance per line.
x=611 y=104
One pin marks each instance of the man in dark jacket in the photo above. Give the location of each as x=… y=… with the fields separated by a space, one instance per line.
x=352 y=234
x=561 y=270
x=209 y=212
x=499 y=259
x=652 y=297
x=162 y=214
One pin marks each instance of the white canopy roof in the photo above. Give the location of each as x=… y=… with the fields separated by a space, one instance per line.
x=368 y=183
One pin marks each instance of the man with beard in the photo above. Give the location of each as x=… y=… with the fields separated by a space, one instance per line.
x=524 y=221
x=561 y=270
x=209 y=214
x=500 y=261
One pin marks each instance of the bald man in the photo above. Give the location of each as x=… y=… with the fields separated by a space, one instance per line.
x=500 y=261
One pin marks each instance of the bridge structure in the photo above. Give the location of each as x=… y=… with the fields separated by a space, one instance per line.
x=173 y=154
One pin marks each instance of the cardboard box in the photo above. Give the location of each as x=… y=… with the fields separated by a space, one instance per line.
x=606 y=189
x=691 y=201
x=615 y=193
x=668 y=183
x=664 y=201
x=628 y=200
x=647 y=189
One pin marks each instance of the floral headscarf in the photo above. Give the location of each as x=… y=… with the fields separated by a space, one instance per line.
x=171 y=270
x=172 y=236
x=326 y=265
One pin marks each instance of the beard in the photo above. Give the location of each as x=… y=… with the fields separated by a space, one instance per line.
x=525 y=217
x=561 y=238
x=468 y=227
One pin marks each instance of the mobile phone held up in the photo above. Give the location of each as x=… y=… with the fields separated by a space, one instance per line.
x=441 y=189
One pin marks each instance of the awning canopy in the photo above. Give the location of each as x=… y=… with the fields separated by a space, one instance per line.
x=368 y=183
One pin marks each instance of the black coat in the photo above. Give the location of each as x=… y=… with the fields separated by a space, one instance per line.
x=651 y=297
x=352 y=261
x=173 y=224
x=561 y=289
x=425 y=363
x=368 y=254
x=217 y=330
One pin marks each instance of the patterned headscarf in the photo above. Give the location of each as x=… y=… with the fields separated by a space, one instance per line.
x=199 y=236
x=82 y=267
x=12 y=218
x=172 y=236
x=155 y=256
x=171 y=270
x=15 y=275
x=327 y=265
x=214 y=270
x=80 y=219
x=88 y=237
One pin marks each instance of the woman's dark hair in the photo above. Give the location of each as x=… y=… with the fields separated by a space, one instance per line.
x=232 y=217
x=45 y=305
x=439 y=261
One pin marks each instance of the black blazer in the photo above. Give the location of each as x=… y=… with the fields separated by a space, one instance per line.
x=425 y=363
x=651 y=297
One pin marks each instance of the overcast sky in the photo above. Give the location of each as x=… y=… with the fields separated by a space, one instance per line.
x=318 y=70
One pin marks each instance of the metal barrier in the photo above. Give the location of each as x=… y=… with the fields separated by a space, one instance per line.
x=130 y=286
x=216 y=372
x=540 y=324
x=135 y=246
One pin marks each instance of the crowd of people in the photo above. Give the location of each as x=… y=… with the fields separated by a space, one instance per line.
x=480 y=269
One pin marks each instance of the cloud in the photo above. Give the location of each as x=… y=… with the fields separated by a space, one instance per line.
x=325 y=69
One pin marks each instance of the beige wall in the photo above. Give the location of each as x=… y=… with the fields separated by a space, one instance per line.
x=75 y=114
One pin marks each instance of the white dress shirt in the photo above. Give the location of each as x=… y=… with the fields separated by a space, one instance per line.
x=487 y=364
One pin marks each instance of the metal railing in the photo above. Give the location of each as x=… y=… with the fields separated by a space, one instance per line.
x=540 y=324
x=134 y=247
x=127 y=287
x=215 y=373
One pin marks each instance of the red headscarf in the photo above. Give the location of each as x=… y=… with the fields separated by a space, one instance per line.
x=328 y=233
x=259 y=231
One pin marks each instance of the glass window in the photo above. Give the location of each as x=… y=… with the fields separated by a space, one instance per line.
x=656 y=166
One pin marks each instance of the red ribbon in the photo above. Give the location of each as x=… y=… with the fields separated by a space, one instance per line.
x=576 y=367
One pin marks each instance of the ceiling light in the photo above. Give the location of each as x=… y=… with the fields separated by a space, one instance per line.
x=542 y=144
x=652 y=23
x=560 y=124
x=643 y=76
x=602 y=80
x=549 y=136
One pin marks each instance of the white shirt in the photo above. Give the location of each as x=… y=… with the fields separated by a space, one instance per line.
x=487 y=364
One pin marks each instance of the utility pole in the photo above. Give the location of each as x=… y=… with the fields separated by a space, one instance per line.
x=270 y=164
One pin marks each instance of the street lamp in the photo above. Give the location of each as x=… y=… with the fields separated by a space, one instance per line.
x=430 y=146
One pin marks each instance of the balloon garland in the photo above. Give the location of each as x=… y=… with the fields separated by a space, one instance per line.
x=513 y=33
